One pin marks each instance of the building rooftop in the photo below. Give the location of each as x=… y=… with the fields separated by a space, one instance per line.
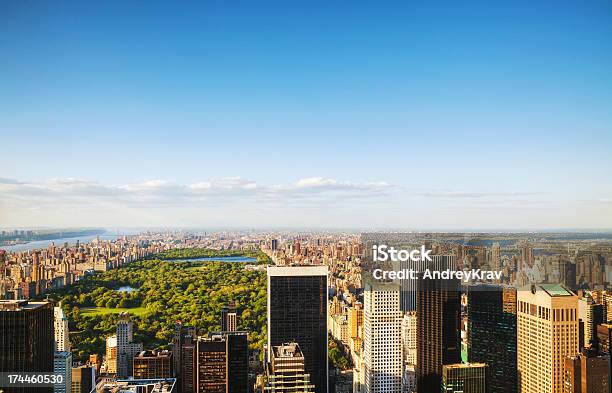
x=288 y=350
x=556 y=290
x=154 y=354
x=465 y=365
x=302 y=270
x=19 y=305
x=140 y=385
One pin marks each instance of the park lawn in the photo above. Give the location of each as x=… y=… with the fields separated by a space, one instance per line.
x=90 y=311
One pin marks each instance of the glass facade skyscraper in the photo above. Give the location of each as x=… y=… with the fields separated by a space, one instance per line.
x=297 y=312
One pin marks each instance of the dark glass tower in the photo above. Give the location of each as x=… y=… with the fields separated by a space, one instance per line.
x=26 y=338
x=438 y=322
x=237 y=348
x=492 y=334
x=223 y=363
x=184 y=357
x=297 y=312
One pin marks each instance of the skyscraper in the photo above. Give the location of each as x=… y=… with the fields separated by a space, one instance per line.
x=60 y=322
x=465 y=378
x=438 y=326
x=83 y=379
x=586 y=372
x=237 y=349
x=496 y=256
x=184 y=357
x=26 y=337
x=222 y=363
x=229 y=318
x=285 y=371
x=604 y=341
x=211 y=370
x=126 y=348
x=590 y=314
x=409 y=287
x=492 y=334
x=62 y=364
x=297 y=312
x=382 y=343
x=547 y=332
x=409 y=338
x=153 y=365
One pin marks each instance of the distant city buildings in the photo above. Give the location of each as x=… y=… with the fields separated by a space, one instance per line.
x=35 y=272
x=543 y=338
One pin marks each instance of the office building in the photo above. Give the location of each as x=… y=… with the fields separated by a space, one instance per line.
x=62 y=364
x=297 y=312
x=126 y=347
x=409 y=338
x=62 y=339
x=492 y=334
x=110 y=363
x=229 y=318
x=355 y=319
x=464 y=378
x=26 y=337
x=237 y=349
x=382 y=343
x=547 y=333
x=586 y=372
x=438 y=326
x=211 y=365
x=285 y=371
x=604 y=341
x=153 y=365
x=184 y=357
x=222 y=363
x=590 y=314
x=83 y=379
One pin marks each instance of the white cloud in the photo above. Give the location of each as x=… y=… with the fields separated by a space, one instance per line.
x=306 y=201
x=158 y=192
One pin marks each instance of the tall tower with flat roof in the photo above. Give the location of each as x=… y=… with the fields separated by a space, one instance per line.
x=547 y=332
x=297 y=312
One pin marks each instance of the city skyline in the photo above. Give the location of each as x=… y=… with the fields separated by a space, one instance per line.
x=458 y=116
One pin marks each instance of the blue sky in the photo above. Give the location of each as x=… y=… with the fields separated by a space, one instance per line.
x=402 y=114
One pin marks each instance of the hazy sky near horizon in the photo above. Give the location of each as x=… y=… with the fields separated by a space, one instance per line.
x=328 y=114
